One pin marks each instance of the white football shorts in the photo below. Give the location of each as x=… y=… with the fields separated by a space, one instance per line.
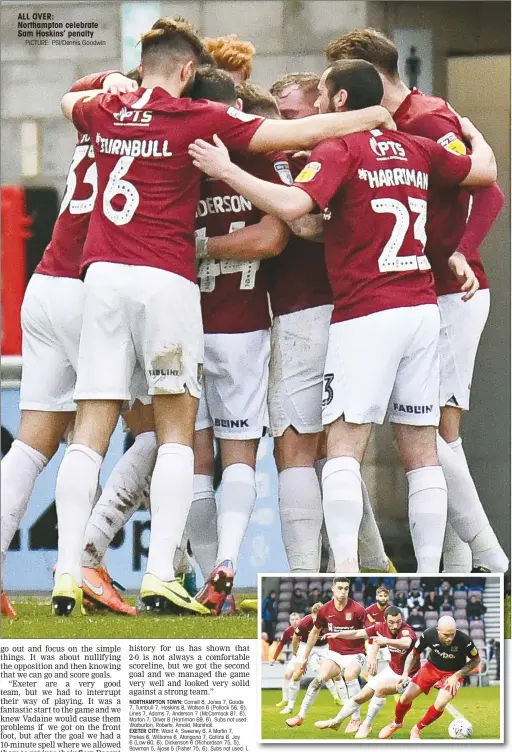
x=235 y=385
x=299 y=348
x=462 y=325
x=139 y=315
x=384 y=365
x=344 y=661
x=318 y=653
x=384 y=678
x=51 y=321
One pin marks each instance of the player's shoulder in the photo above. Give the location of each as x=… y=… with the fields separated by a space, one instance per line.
x=323 y=610
x=306 y=620
x=430 y=634
x=407 y=631
x=462 y=636
x=357 y=607
x=425 y=106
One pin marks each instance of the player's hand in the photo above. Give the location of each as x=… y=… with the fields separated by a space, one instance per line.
x=387 y=122
x=372 y=666
x=452 y=684
x=299 y=154
x=380 y=641
x=465 y=275
x=214 y=160
x=116 y=83
x=402 y=681
x=468 y=129
x=302 y=666
x=271 y=661
x=330 y=635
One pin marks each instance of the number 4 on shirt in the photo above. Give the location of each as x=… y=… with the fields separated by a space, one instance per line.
x=209 y=268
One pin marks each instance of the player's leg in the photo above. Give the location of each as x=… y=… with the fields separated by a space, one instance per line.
x=342 y=490
x=356 y=394
x=236 y=395
x=300 y=500
x=351 y=674
x=51 y=317
x=294 y=684
x=414 y=412
x=299 y=345
x=403 y=706
x=202 y=518
x=288 y=675
x=363 y=696
x=377 y=702
x=462 y=324
x=126 y=490
x=328 y=670
x=434 y=712
x=316 y=657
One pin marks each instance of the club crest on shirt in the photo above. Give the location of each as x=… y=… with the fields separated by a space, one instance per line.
x=308 y=172
x=452 y=142
x=283 y=171
x=348 y=616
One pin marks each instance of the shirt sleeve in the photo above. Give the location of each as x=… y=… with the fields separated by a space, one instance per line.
x=420 y=645
x=443 y=127
x=329 y=165
x=234 y=127
x=83 y=112
x=446 y=167
x=371 y=630
x=471 y=650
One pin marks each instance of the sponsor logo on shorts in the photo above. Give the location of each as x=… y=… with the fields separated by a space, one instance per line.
x=164 y=372
x=412 y=409
x=223 y=423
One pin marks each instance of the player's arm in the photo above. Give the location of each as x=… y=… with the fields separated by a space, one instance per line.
x=372 y=651
x=280 y=646
x=312 y=640
x=286 y=202
x=484 y=171
x=309 y=227
x=295 y=643
x=467 y=278
x=384 y=642
x=309 y=131
x=473 y=660
x=112 y=81
x=263 y=240
x=487 y=204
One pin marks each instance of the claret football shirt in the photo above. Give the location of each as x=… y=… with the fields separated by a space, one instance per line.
x=331 y=619
x=398 y=655
x=148 y=189
x=373 y=189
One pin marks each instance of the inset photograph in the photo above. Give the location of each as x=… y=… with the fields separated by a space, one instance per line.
x=374 y=657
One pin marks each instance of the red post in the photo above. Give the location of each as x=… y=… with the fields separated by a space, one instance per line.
x=14 y=233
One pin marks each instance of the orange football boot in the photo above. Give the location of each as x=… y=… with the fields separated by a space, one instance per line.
x=7 y=609
x=98 y=587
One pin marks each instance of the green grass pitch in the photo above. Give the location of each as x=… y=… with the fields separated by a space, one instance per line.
x=35 y=621
x=480 y=705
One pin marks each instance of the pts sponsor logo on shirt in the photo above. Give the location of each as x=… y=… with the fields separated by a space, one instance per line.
x=132 y=117
x=386 y=149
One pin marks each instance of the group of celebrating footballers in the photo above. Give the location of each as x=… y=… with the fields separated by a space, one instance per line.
x=332 y=639
x=152 y=300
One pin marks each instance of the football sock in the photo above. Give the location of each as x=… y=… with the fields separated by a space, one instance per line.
x=371 y=548
x=293 y=691
x=182 y=564
x=286 y=682
x=343 y=510
x=77 y=482
x=332 y=688
x=300 y=509
x=457 y=555
x=124 y=490
x=170 y=497
x=348 y=708
x=427 y=515
x=465 y=511
x=235 y=503
x=310 y=696
x=202 y=524
x=401 y=711
x=353 y=689
x=20 y=469
x=374 y=708
x=341 y=688
x=430 y=716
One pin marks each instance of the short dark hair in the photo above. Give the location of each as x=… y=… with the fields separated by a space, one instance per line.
x=365 y=44
x=257 y=100
x=134 y=74
x=307 y=83
x=340 y=579
x=172 y=40
x=214 y=84
x=359 y=79
x=392 y=611
x=383 y=589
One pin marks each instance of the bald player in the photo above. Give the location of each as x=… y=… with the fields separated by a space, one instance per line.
x=453 y=655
